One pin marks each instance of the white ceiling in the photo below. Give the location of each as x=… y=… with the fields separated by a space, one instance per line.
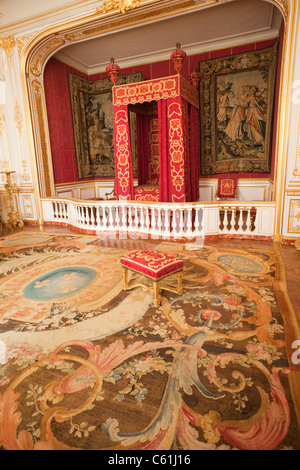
x=221 y=26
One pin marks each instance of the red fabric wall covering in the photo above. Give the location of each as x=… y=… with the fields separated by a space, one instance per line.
x=60 y=115
x=60 y=121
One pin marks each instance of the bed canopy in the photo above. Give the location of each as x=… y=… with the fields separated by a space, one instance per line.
x=167 y=140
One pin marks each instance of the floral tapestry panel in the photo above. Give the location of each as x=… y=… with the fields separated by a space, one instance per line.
x=237 y=103
x=92 y=113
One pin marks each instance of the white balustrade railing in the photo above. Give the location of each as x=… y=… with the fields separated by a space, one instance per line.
x=163 y=220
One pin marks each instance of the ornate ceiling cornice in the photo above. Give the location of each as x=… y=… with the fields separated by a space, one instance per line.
x=123 y=6
x=114 y=14
x=283 y=5
x=120 y=5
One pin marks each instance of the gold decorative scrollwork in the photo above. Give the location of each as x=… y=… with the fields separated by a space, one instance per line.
x=120 y=5
x=283 y=4
x=2 y=120
x=38 y=61
x=23 y=41
x=37 y=89
x=296 y=171
x=294 y=216
x=18 y=117
x=8 y=45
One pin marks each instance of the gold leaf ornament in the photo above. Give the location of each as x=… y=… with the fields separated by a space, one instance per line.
x=121 y=5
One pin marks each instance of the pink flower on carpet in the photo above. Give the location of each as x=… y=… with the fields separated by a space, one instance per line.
x=206 y=314
x=176 y=337
x=239 y=290
x=146 y=357
x=258 y=351
x=231 y=304
x=275 y=328
x=5 y=381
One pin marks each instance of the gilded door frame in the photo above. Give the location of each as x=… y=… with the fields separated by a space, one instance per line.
x=114 y=15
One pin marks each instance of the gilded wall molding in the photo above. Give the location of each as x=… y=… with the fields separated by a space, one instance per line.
x=39 y=59
x=294 y=216
x=44 y=160
x=25 y=174
x=283 y=189
x=283 y=5
x=4 y=166
x=8 y=45
x=2 y=120
x=18 y=117
x=296 y=171
x=23 y=41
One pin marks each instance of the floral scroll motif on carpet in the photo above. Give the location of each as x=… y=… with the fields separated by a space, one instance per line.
x=207 y=370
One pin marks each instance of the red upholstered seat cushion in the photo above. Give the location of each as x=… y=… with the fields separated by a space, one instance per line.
x=153 y=263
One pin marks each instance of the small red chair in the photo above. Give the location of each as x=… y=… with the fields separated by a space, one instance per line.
x=227 y=188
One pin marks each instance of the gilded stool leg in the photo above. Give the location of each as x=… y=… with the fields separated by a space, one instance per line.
x=125 y=278
x=156 y=301
x=179 y=279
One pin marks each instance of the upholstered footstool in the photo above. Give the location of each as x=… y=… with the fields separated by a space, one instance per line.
x=156 y=266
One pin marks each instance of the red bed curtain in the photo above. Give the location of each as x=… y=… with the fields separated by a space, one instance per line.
x=164 y=192
x=194 y=152
x=187 y=156
x=191 y=124
x=123 y=161
x=142 y=147
x=171 y=151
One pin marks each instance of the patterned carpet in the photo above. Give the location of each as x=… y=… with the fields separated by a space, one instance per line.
x=85 y=365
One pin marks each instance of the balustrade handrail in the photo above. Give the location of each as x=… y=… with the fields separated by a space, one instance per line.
x=109 y=202
x=165 y=219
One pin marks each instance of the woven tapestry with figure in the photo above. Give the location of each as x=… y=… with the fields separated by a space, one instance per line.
x=86 y=365
x=237 y=101
x=93 y=124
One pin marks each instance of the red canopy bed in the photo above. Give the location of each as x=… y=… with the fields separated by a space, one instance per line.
x=167 y=140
